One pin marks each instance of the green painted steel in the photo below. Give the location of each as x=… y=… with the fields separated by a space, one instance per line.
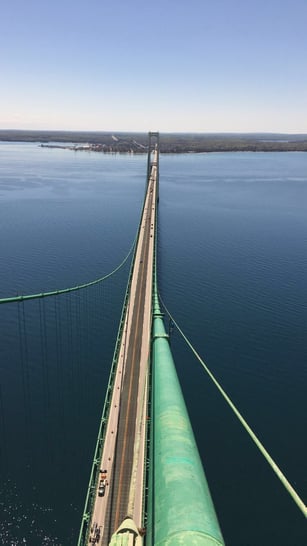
x=179 y=506
x=182 y=510
x=15 y=299
x=126 y=535
x=94 y=475
x=274 y=466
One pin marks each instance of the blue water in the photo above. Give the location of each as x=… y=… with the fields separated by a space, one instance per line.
x=232 y=260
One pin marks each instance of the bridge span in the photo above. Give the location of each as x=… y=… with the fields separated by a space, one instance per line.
x=140 y=486
x=119 y=490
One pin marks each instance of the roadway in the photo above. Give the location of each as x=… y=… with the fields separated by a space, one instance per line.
x=124 y=450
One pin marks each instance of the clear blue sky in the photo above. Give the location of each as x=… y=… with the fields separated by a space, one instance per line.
x=168 y=65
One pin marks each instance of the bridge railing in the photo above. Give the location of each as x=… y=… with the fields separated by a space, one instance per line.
x=94 y=475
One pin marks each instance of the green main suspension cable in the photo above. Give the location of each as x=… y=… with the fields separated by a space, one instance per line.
x=67 y=290
x=290 y=489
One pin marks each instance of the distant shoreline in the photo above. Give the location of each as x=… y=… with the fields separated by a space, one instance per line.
x=172 y=143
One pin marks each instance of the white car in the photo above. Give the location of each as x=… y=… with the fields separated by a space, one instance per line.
x=101 y=488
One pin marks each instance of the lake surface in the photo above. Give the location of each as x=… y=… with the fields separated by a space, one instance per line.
x=232 y=257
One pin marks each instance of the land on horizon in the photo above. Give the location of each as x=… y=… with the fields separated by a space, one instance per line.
x=136 y=142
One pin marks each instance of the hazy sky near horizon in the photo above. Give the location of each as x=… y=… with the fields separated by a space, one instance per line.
x=168 y=65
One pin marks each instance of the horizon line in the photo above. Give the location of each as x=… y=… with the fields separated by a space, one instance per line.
x=189 y=132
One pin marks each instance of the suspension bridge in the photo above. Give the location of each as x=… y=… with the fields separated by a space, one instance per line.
x=146 y=469
x=133 y=487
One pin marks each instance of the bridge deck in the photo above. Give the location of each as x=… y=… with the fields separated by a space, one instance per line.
x=124 y=448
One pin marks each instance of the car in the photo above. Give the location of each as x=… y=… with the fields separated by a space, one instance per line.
x=101 y=488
